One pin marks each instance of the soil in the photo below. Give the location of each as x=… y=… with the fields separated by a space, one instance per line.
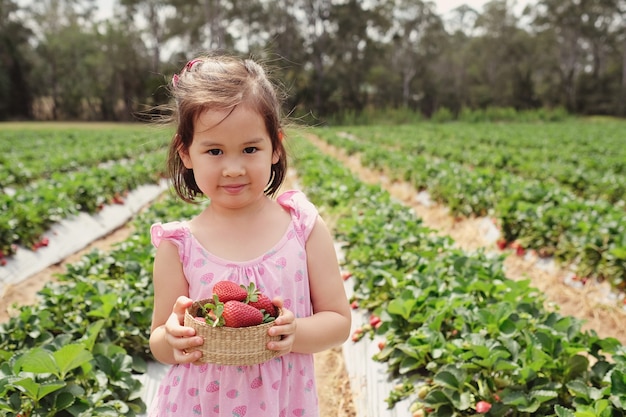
x=333 y=383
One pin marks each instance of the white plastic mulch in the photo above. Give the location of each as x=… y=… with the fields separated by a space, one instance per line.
x=369 y=382
x=71 y=235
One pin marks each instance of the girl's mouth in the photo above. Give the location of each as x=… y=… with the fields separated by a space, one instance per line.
x=233 y=189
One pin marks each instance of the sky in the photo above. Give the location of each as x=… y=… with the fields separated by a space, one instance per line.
x=443 y=6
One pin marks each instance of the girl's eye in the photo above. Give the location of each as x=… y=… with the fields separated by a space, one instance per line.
x=250 y=149
x=214 y=152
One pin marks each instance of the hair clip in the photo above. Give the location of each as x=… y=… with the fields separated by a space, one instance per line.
x=191 y=63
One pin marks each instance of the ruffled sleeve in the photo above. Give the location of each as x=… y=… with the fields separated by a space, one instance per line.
x=174 y=232
x=302 y=210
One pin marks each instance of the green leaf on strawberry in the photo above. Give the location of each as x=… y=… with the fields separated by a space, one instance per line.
x=213 y=312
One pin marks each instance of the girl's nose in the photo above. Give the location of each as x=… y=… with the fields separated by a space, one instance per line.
x=233 y=167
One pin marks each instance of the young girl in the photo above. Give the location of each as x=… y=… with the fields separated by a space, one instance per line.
x=228 y=148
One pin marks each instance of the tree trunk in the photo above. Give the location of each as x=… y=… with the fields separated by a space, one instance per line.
x=622 y=110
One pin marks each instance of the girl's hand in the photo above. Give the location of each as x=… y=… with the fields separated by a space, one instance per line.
x=180 y=337
x=284 y=326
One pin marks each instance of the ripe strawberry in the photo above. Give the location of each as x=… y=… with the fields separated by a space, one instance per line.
x=263 y=302
x=374 y=320
x=357 y=334
x=238 y=314
x=228 y=290
x=483 y=407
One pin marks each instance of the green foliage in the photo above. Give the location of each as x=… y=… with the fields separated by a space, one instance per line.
x=460 y=335
x=509 y=114
x=77 y=351
x=78 y=177
x=442 y=115
x=554 y=188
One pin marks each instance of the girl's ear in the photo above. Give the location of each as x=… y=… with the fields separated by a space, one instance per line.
x=276 y=156
x=278 y=152
x=183 y=153
x=184 y=156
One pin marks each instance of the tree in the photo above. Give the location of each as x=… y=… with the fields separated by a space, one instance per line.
x=415 y=32
x=152 y=11
x=585 y=36
x=15 y=93
x=504 y=59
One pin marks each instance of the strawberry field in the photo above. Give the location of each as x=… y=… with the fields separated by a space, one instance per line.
x=456 y=336
x=557 y=189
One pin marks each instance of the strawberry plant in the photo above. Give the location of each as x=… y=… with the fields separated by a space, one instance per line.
x=25 y=158
x=460 y=338
x=535 y=202
x=102 y=308
x=43 y=188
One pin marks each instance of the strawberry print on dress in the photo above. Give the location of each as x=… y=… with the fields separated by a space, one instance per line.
x=269 y=389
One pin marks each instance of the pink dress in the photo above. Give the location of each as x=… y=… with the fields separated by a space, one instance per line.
x=281 y=387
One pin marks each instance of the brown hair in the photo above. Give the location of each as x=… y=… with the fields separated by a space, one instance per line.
x=221 y=83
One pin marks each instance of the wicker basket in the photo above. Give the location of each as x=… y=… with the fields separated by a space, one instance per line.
x=229 y=345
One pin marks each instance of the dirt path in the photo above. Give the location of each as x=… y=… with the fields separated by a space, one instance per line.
x=25 y=292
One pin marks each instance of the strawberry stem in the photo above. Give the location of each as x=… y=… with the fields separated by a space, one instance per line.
x=213 y=312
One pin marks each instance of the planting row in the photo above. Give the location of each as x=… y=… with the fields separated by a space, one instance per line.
x=28 y=213
x=457 y=335
x=456 y=332
x=589 y=159
x=77 y=351
x=30 y=153
x=590 y=236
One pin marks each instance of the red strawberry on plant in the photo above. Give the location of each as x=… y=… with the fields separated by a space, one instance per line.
x=239 y=314
x=483 y=407
x=375 y=321
x=228 y=290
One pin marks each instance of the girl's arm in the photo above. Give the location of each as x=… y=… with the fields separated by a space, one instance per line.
x=168 y=337
x=329 y=325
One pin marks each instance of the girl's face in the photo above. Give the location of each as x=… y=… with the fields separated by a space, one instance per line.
x=231 y=156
